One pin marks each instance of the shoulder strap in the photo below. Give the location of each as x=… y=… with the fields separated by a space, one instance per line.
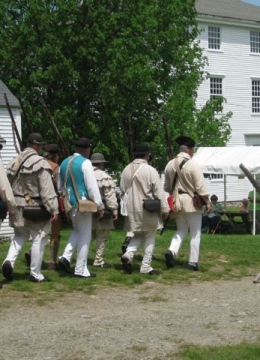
x=180 y=167
x=67 y=171
x=73 y=179
x=20 y=166
x=134 y=173
x=183 y=180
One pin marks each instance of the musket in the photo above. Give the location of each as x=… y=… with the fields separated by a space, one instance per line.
x=167 y=138
x=14 y=123
x=165 y=224
x=250 y=177
x=25 y=116
x=64 y=146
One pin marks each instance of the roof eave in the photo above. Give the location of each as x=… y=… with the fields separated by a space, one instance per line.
x=227 y=21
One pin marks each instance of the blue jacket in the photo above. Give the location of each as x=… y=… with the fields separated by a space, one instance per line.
x=76 y=167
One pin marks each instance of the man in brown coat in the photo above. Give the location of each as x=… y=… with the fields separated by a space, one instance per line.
x=140 y=181
x=187 y=217
x=101 y=227
x=30 y=176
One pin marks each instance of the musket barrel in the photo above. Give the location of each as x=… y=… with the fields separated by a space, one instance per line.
x=250 y=177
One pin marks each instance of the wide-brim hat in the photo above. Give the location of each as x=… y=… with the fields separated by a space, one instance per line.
x=51 y=148
x=141 y=149
x=35 y=138
x=82 y=142
x=185 y=140
x=97 y=158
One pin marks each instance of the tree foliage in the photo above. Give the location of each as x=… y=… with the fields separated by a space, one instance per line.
x=118 y=72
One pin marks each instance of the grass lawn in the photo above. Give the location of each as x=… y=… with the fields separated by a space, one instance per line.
x=231 y=256
x=221 y=257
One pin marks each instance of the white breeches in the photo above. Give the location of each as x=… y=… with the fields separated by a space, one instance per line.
x=80 y=238
x=185 y=222
x=148 y=239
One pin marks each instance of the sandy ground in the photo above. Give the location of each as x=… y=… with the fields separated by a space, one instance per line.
x=152 y=321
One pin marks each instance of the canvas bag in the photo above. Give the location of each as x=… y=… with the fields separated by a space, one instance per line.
x=84 y=205
x=32 y=211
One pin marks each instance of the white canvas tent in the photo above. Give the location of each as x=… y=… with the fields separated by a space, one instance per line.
x=226 y=160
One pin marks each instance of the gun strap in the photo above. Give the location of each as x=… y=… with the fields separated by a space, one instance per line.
x=176 y=174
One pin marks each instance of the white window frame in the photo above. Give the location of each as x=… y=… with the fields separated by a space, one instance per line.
x=255 y=42
x=214 y=37
x=216 y=89
x=216 y=177
x=255 y=93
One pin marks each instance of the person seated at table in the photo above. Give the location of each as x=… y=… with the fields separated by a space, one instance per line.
x=245 y=206
x=211 y=219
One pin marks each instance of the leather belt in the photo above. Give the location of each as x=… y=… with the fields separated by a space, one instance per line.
x=182 y=192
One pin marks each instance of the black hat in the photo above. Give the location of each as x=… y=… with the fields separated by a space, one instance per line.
x=185 y=140
x=35 y=138
x=214 y=197
x=82 y=142
x=51 y=148
x=141 y=149
x=97 y=158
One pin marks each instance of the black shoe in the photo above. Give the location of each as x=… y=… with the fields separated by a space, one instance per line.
x=193 y=267
x=64 y=265
x=92 y=275
x=169 y=261
x=151 y=272
x=7 y=270
x=33 y=279
x=27 y=256
x=126 y=265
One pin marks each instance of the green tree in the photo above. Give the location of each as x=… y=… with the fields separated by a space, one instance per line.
x=108 y=70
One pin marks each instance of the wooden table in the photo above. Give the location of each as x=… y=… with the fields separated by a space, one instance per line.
x=247 y=223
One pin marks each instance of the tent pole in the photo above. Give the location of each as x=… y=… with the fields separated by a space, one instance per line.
x=225 y=191
x=254 y=209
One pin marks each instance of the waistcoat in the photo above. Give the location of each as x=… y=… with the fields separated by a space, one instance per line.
x=76 y=168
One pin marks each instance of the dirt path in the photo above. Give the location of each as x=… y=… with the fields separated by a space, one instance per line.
x=151 y=321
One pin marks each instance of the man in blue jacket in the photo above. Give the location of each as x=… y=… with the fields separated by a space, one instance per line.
x=87 y=187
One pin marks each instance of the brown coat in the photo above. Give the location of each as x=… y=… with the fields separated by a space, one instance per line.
x=139 y=219
x=107 y=190
x=194 y=177
x=37 y=175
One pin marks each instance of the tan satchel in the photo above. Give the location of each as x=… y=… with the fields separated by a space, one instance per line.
x=87 y=206
x=84 y=205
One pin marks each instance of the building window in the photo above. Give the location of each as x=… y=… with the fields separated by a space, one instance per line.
x=255 y=41
x=255 y=96
x=216 y=89
x=216 y=177
x=214 y=37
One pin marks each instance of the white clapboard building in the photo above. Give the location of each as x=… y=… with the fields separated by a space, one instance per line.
x=230 y=38
x=11 y=146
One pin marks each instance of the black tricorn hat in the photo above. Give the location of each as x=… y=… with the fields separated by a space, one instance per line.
x=51 y=148
x=82 y=142
x=141 y=149
x=185 y=140
x=35 y=138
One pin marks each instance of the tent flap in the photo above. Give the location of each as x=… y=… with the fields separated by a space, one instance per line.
x=226 y=160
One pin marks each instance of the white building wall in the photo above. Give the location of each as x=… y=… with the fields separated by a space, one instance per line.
x=237 y=66
x=9 y=150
